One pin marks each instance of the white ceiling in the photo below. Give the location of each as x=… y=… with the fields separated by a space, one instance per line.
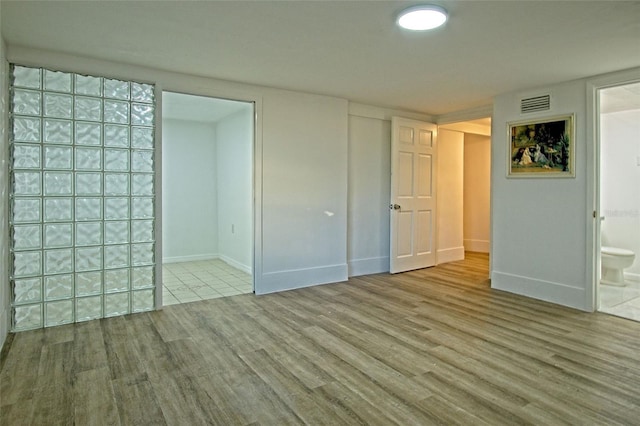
x=620 y=98
x=480 y=127
x=199 y=108
x=348 y=49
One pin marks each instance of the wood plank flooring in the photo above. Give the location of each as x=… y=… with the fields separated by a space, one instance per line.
x=435 y=346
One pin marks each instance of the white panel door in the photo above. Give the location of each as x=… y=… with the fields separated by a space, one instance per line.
x=413 y=197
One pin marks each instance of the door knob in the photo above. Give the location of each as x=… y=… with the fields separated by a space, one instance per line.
x=394 y=206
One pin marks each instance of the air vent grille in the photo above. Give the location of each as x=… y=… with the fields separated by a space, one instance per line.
x=539 y=103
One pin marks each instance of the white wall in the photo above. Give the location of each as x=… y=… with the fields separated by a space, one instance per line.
x=539 y=226
x=450 y=195
x=538 y=231
x=369 y=192
x=5 y=294
x=620 y=178
x=189 y=207
x=234 y=171
x=477 y=187
x=305 y=190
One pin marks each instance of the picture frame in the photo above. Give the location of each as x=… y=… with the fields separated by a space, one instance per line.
x=542 y=148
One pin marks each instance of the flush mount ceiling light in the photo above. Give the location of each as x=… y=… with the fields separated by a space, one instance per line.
x=422 y=18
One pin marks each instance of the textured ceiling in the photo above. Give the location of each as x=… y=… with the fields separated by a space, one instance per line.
x=347 y=49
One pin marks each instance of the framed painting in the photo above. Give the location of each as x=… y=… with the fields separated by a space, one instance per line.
x=542 y=148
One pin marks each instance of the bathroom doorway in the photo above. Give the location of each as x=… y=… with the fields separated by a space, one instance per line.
x=618 y=132
x=207 y=197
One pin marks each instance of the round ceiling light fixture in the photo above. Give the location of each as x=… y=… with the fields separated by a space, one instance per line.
x=422 y=18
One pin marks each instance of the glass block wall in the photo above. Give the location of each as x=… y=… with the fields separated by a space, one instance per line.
x=82 y=197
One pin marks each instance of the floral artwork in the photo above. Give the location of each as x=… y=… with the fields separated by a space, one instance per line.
x=542 y=148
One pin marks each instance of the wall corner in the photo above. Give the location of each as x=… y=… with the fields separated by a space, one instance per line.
x=5 y=293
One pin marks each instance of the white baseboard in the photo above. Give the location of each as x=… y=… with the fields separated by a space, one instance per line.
x=630 y=276
x=236 y=264
x=450 y=254
x=372 y=265
x=548 y=291
x=229 y=261
x=272 y=282
x=480 y=246
x=192 y=258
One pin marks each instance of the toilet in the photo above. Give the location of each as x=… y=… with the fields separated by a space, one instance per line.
x=614 y=261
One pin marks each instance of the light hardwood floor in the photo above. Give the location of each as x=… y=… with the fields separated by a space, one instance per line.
x=434 y=346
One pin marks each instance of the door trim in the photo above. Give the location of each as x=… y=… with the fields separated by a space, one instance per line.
x=257 y=254
x=593 y=87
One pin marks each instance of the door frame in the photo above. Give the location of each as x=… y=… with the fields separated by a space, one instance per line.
x=593 y=88
x=256 y=101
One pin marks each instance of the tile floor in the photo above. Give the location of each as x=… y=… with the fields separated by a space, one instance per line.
x=621 y=301
x=206 y=279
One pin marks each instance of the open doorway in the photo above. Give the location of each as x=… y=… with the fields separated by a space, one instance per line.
x=619 y=194
x=207 y=197
x=474 y=140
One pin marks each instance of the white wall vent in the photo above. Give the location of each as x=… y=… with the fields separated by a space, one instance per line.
x=539 y=103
